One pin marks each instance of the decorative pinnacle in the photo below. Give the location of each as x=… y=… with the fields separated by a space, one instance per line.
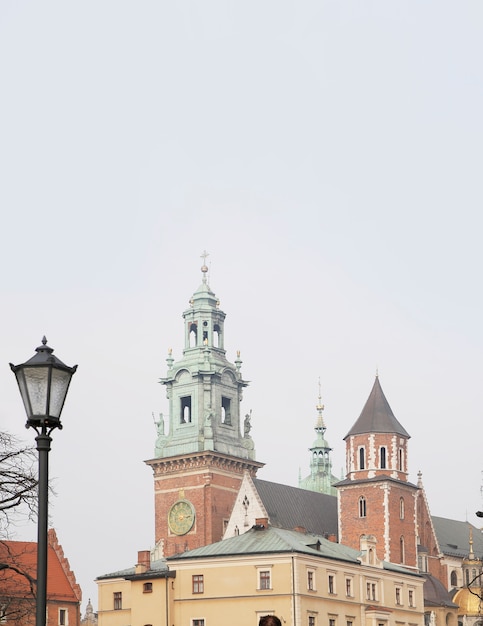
x=204 y=267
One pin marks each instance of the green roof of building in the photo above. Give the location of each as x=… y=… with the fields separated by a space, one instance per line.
x=269 y=540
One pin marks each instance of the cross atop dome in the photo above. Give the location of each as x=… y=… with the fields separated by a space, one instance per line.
x=204 y=267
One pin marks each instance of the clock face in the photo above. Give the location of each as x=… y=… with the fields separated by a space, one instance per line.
x=181 y=517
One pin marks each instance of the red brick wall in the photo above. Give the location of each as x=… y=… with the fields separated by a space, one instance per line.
x=372 y=444
x=382 y=518
x=210 y=482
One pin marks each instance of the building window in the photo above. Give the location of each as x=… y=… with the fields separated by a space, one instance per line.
x=411 y=598
x=401 y=549
x=400 y=460
x=371 y=591
x=226 y=411
x=63 y=617
x=185 y=410
x=264 y=579
x=454 y=579
x=383 y=457
x=331 y=621
x=423 y=562
x=117 y=600
x=398 y=595
x=198 y=583
x=193 y=335
x=198 y=622
x=349 y=622
x=331 y=583
x=401 y=508
x=311 y=580
x=348 y=587
x=362 y=507
x=362 y=459
x=311 y=620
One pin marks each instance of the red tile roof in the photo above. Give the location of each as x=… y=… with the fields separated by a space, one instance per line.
x=18 y=578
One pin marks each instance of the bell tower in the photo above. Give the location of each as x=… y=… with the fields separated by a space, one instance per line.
x=199 y=463
x=376 y=497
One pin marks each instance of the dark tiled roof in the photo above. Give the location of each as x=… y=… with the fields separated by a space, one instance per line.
x=291 y=507
x=377 y=416
x=435 y=593
x=454 y=537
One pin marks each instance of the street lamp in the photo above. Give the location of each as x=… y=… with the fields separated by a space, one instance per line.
x=43 y=381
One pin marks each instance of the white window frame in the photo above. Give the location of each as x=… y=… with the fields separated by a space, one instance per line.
x=260 y=571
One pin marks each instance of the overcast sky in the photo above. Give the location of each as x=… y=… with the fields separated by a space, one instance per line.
x=327 y=154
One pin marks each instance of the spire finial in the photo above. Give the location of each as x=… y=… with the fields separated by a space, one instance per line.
x=204 y=267
x=377 y=372
x=320 y=408
x=471 y=555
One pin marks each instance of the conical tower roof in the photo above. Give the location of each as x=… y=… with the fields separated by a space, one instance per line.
x=377 y=416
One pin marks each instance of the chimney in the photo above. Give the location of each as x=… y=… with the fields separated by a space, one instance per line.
x=261 y=522
x=144 y=561
x=332 y=538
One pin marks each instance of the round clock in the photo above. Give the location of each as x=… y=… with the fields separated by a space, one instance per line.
x=181 y=517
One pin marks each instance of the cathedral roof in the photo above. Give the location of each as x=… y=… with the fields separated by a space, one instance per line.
x=377 y=416
x=291 y=507
x=453 y=537
x=435 y=593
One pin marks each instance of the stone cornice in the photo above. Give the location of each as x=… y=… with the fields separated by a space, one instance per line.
x=203 y=460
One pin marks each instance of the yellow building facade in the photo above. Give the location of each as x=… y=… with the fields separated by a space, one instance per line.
x=304 y=579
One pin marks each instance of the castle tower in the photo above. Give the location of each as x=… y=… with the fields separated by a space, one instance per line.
x=320 y=478
x=376 y=498
x=199 y=464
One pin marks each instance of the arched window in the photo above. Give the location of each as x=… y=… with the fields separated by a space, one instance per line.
x=362 y=458
x=216 y=336
x=193 y=335
x=383 y=457
x=401 y=508
x=454 y=578
x=362 y=507
x=401 y=550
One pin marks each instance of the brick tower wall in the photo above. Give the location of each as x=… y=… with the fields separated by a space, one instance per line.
x=383 y=518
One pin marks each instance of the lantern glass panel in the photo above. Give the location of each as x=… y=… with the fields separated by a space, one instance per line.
x=58 y=391
x=36 y=383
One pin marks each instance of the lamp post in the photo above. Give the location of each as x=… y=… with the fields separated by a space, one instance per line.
x=43 y=381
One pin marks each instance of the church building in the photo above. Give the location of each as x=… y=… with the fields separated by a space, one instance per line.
x=206 y=489
x=199 y=465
